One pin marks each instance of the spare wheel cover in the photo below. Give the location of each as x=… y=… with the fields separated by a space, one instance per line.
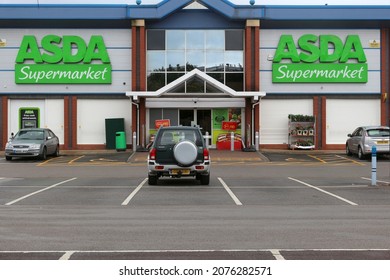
x=185 y=152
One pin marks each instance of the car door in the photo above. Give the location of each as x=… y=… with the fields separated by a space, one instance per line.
x=355 y=139
x=50 y=142
x=165 y=141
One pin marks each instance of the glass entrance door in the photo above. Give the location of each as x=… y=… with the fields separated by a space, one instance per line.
x=199 y=117
x=203 y=119
x=187 y=117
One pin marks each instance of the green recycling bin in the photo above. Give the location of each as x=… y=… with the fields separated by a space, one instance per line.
x=120 y=141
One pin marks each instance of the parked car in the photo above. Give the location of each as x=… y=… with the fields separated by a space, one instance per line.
x=179 y=151
x=32 y=142
x=362 y=140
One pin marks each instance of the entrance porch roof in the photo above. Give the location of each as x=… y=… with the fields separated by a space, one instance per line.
x=195 y=73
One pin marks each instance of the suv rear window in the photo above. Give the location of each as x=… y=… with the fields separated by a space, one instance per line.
x=171 y=137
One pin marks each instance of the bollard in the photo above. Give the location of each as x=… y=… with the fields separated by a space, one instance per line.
x=134 y=141
x=232 y=141
x=257 y=141
x=373 y=166
x=206 y=137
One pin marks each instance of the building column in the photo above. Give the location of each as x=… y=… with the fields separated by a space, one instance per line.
x=323 y=123
x=4 y=121
x=385 y=76
x=70 y=123
x=138 y=34
x=317 y=115
x=252 y=62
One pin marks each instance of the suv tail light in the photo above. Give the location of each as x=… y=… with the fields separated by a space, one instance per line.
x=206 y=154
x=152 y=154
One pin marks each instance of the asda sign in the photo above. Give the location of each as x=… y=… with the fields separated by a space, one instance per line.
x=319 y=59
x=62 y=60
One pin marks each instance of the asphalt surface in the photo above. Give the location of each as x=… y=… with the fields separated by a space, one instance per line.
x=267 y=206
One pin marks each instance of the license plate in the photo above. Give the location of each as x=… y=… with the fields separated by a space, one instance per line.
x=20 y=151
x=382 y=142
x=180 y=171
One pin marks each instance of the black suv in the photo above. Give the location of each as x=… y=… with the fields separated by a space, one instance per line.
x=179 y=151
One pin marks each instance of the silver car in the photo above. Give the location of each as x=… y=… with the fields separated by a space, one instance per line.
x=362 y=140
x=32 y=142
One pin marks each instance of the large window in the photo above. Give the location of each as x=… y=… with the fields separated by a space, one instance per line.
x=172 y=53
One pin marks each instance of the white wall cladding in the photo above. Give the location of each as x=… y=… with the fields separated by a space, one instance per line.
x=274 y=118
x=344 y=115
x=117 y=41
x=269 y=39
x=91 y=116
x=51 y=114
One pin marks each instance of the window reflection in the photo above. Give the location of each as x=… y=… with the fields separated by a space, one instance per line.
x=219 y=77
x=214 y=61
x=217 y=52
x=175 y=60
x=235 y=81
x=195 y=59
x=195 y=85
x=215 y=39
x=175 y=39
x=156 y=61
x=195 y=40
x=233 y=61
x=155 y=81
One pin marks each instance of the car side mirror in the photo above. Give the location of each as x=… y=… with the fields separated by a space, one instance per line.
x=349 y=135
x=12 y=135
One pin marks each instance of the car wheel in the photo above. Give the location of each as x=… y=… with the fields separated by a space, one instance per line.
x=205 y=179
x=43 y=156
x=152 y=179
x=348 y=151
x=360 y=153
x=8 y=158
x=57 y=151
x=185 y=153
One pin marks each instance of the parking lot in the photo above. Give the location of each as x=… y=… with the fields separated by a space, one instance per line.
x=257 y=206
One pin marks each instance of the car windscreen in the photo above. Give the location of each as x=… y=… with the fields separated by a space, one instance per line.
x=30 y=135
x=380 y=132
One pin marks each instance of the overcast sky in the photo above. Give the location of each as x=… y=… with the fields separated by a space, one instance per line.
x=258 y=2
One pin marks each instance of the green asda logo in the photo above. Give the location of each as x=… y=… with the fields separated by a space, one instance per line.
x=62 y=60
x=319 y=59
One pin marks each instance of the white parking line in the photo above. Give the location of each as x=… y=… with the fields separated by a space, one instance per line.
x=369 y=179
x=229 y=191
x=278 y=256
x=321 y=190
x=42 y=190
x=130 y=197
x=67 y=255
x=276 y=253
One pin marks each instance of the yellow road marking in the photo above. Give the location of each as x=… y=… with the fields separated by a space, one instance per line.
x=354 y=161
x=73 y=160
x=46 y=161
x=317 y=158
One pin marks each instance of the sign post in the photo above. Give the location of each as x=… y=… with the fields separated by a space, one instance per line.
x=373 y=166
x=232 y=141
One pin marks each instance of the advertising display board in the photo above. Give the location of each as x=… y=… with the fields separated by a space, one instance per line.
x=29 y=118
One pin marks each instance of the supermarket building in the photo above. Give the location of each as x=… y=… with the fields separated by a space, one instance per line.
x=78 y=69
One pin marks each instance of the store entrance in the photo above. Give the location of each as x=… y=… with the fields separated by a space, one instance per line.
x=198 y=117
